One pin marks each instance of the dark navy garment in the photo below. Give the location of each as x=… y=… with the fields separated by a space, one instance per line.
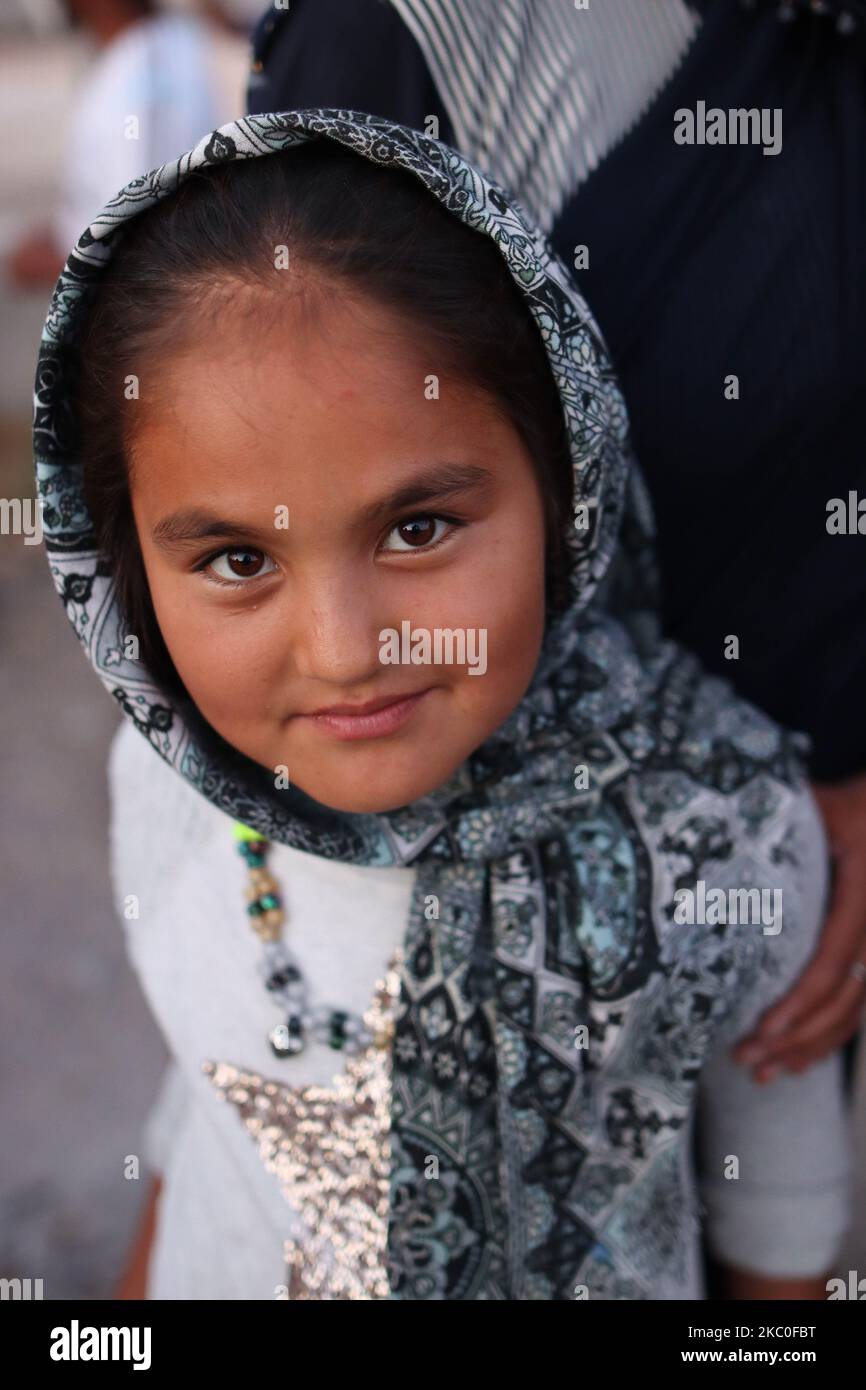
x=705 y=261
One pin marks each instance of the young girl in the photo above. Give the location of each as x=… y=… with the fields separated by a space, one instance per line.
x=339 y=497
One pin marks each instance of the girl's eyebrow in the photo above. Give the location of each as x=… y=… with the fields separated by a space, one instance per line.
x=192 y=524
x=433 y=485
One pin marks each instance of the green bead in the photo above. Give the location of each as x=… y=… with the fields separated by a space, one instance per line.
x=254 y=909
x=269 y=900
x=245 y=832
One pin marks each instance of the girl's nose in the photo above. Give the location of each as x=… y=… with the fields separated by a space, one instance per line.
x=336 y=634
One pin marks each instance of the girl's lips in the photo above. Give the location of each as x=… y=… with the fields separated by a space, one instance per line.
x=376 y=725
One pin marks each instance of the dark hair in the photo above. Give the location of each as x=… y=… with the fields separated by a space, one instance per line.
x=375 y=227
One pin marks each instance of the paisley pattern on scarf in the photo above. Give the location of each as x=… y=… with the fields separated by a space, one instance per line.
x=553 y=1017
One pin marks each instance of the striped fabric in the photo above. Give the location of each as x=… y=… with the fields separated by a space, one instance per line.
x=538 y=91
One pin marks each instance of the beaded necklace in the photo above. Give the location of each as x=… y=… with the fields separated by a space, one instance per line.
x=284 y=980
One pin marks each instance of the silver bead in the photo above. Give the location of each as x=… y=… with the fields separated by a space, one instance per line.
x=284 y=1043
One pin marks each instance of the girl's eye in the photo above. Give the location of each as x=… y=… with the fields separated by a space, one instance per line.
x=242 y=562
x=419 y=532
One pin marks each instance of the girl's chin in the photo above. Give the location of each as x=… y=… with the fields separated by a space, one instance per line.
x=370 y=795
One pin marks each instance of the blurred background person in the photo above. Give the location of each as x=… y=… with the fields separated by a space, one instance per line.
x=160 y=79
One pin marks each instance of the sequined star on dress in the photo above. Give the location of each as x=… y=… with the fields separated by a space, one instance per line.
x=329 y=1148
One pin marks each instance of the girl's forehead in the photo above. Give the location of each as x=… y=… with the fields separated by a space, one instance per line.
x=351 y=441
x=251 y=428
x=326 y=330
x=278 y=388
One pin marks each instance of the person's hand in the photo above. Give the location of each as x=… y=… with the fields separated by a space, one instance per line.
x=36 y=262
x=825 y=1007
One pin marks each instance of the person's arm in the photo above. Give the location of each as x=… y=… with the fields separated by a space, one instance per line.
x=133 y=1281
x=826 y=1005
x=162 y=1129
x=140 y=788
x=774 y=1157
x=775 y=1218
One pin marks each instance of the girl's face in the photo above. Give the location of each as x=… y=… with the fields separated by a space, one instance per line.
x=299 y=490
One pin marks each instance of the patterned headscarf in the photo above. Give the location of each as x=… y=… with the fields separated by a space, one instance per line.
x=561 y=1166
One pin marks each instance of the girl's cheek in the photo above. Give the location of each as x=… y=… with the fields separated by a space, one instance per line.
x=232 y=669
x=508 y=628
x=222 y=659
